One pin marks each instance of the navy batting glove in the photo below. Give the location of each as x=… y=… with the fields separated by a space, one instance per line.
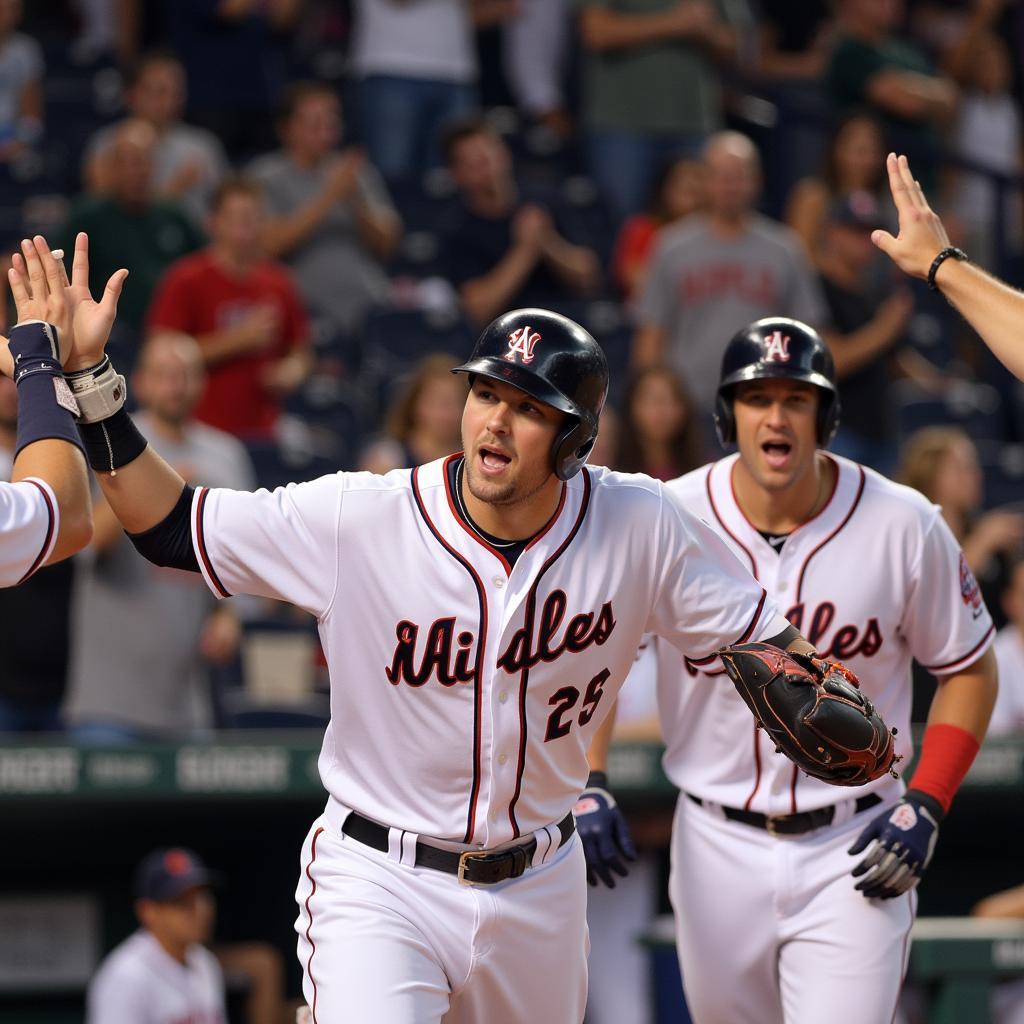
x=902 y=842
x=604 y=832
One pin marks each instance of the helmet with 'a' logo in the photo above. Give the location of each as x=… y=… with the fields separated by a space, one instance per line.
x=778 y=347
x=554 y=360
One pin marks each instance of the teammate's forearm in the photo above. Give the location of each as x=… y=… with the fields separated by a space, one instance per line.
x=966 y=698
x=957 y=721
x=143 y=492
x=992 y=308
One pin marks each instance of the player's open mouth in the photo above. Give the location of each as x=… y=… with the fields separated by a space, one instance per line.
x=493 y=461
x=776 y=453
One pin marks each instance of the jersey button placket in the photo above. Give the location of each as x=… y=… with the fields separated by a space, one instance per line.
x=496 y=795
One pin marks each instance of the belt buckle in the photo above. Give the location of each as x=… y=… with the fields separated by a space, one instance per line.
x=771 y=824
x=466 y=856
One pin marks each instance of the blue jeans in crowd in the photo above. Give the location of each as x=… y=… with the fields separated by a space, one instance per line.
x=401 y=121
x=624 y=165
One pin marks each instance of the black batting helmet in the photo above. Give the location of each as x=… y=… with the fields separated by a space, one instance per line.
x=778 y=347
x=552 y=358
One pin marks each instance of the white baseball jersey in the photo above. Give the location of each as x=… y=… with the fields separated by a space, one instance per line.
x=141 y=983
x=29 y=521
x=874 y=579
x=465 y=692
x=1008 y=714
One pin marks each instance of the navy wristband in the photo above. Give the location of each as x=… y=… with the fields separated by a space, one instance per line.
x=40 y=414
x=112 y=443
x=45 y=403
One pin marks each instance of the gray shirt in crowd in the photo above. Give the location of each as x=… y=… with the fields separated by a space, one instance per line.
x=135 y=627
x=182 y=149
x=339 y=279
x=701 y=289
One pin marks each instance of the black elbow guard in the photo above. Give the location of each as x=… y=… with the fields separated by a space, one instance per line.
x=169 y=543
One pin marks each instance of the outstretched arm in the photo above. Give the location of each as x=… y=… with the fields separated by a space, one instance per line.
x=992 y=308
x=143 y=492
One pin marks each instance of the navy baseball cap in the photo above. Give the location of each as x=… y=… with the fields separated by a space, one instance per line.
x=166 y=873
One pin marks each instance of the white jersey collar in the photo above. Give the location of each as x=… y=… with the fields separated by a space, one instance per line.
x=827 y=523
x=432 y=493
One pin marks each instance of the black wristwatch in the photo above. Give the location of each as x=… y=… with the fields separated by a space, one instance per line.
x=945 y=254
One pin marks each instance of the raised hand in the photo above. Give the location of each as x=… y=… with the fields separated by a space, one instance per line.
x=38 y=287
x=922 y=235
x=91 y=320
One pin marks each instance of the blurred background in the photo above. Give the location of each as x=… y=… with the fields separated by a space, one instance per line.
x=321 y=203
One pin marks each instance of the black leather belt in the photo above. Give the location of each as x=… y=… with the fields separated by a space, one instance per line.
x=471 y=867
x=791 y=824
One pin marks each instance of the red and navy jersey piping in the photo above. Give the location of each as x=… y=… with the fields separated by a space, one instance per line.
x=833 y=534
x=474 y=793
x=201 y=550
x=524 y=679
x=51 y=525
x=721 y=521
x=743 y=639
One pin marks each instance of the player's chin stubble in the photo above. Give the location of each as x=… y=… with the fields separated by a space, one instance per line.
x=515 y=492
x=490 y=493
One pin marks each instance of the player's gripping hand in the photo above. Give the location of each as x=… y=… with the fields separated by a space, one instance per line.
x=604 y=832
x=902 y=841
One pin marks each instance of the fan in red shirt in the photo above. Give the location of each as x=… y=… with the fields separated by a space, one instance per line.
x=244 y=311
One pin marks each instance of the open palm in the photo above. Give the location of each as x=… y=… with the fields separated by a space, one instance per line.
x=91 y=321
x=41 y=291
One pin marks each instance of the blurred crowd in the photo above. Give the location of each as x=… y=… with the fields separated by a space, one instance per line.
x=322 y=201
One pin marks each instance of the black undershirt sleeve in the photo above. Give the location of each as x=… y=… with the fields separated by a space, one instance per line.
x=169 y=543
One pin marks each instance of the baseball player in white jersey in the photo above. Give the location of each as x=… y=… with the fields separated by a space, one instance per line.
x=478 y=615
x=162 y=974
x=792 y=905
x=46 y=510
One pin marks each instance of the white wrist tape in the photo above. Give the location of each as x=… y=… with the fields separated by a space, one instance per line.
x=100 y=391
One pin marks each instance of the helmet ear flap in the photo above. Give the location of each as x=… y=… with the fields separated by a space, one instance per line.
x=828 y=417
x=725 y=421
x=571 y=448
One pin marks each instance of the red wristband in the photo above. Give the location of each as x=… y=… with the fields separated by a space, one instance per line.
x=947 y=752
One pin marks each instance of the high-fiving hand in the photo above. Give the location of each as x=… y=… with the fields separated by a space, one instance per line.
x=42 y=291
x=921 y=236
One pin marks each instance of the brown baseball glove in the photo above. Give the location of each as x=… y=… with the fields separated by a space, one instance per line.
x=814 y=711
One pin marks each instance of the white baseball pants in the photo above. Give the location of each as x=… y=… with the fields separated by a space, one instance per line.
x=384 y=942
x=770 y=929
